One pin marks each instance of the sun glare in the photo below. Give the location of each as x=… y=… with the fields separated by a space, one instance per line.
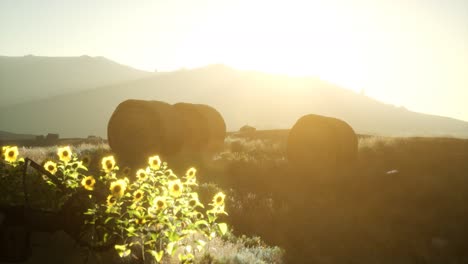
x=297 y=44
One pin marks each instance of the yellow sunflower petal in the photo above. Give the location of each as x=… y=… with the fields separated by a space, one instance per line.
x=11 y=154
x=118 y=188
x=64 y=154
x=138 y=195
x=108 y=163
x=218 y=199
x=88 y=183
x=51 y=167
x=111 y=200
x=175 y=188
x=154 y=162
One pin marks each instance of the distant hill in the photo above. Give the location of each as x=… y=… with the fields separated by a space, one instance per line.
x=262 y=100
x=12 y=136
x=30 y=77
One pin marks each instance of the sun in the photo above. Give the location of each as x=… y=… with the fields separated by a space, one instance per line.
x=300 y=43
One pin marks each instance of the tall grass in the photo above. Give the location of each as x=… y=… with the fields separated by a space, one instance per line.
x=403 y=202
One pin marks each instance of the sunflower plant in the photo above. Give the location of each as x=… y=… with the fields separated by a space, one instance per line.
x=10 y=154
x=68 y=169
x=10 y=176
x=157 y=212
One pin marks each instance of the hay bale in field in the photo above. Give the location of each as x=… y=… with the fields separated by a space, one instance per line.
x=348 y=142
x=138 y=129
x=216 y=128
x=196 y=132
x=319 y=142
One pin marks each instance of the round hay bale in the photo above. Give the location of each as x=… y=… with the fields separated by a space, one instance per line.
x=216 y=128
x=138 y=129
x=322 y=142
x=347 y=142
x=312 y=143
x=196 y=131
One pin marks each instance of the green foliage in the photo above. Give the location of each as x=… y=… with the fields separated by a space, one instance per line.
x=156 y=213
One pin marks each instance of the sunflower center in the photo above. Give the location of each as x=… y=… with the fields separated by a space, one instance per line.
x=88 y=182
x=138 y=195
x=155 y=162
x=11 y=153
x=219 y=200
x=160 y=204
x=117 y=188
x=176 y=187
x=112 y=200
x=109 y=164
x=65 y=153
x=51 y=167
x=192 y=202
x=142 y=175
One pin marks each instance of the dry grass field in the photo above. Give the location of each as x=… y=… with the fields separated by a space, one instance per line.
x=405 y=201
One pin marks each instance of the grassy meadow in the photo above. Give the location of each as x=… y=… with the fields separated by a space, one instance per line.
x=404 y=201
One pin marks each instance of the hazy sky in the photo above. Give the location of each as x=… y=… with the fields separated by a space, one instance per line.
x=412 y=53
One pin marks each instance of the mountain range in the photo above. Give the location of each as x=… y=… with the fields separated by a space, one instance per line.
x=83 y=92
x=27 y=78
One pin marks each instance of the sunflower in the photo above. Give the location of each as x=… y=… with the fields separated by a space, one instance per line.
x=160 y=202
x=140 y=221
x=191 y=172
x=4 y=148
x=138 y=195
x=51 y=167
x=88 y=183
x=170 y=174
x=218 y=199
x=175 y=188
x=154 y=162
x=199 y=215
x=108 y=163
x=11 y=154
x=117 y=188
x=86 y=160
x=194 y=202
x=126 y=171
x=141 y=174
x=111 y=200
x=64 y=154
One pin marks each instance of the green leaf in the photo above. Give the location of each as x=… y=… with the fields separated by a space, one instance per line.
x=122 y=250
x=170 y=248
x=222 y=228
x=108 y=219
x=201 y=222
x=137 y=213
x=120 y=247
x=130 y=230
x=157 y=255
x=211 y=218
x=125 y=253
x=173 y=237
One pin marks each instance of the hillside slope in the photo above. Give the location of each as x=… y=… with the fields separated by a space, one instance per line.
x=243 y=97
x=30 y=77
